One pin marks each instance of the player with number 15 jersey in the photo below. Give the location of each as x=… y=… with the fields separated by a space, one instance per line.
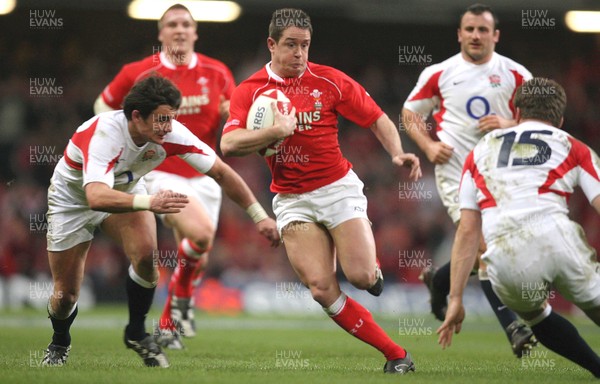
x=514 y=191
x=518 y=177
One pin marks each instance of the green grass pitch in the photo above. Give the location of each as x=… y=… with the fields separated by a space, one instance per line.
x=249 y=349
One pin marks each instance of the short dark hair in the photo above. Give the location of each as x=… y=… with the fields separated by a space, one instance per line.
x=479 y=9
x=288 y=17
x=149 y=94
x=172 y=7
x=541 y=99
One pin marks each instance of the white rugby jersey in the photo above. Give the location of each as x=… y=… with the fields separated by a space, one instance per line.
x=520 y=176
x=102 y=150
x=458 y=93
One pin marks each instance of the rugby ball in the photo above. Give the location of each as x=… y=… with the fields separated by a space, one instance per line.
x=261 y=115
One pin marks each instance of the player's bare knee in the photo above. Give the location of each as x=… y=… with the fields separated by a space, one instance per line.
x=202 y=239
x=63 y=303
x=144 y=261
x=320 y=291
x=362 y=279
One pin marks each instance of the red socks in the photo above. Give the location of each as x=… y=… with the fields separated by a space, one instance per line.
x=180 y=284
x=359 y=322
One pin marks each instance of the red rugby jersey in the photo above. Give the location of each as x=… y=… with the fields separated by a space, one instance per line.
x=311 y=158
x=201 y=84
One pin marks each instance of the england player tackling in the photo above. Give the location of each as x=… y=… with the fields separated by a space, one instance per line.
x=206 y=85
x=514 y=190
x=98 y=184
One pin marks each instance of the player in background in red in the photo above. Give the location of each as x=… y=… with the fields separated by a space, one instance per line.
x=468 y=95
x=514 y=191
x=320 y=206
x=206 y=85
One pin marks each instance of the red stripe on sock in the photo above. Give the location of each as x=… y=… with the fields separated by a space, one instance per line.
x=184 y=272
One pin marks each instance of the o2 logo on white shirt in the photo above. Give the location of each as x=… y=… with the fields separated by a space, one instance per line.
x=475 y=104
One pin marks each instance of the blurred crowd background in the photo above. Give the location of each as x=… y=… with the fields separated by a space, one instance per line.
x=80 y=57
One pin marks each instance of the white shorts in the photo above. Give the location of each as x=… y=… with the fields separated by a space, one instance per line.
x=525 y=265
x=204 y=189
x=70 y=219
x=329 y=205
x=447 y=180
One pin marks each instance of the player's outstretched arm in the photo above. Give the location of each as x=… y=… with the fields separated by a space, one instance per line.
x=387 y=134
x=436 y=152
x=101 y=197
x=237 y=190
x=464 y=256
x=241 y=142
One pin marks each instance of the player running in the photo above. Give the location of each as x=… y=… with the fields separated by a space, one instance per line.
x=516 y=183
x=320 y=206
x=98 y=184
x=206 y=85
x=469 y=94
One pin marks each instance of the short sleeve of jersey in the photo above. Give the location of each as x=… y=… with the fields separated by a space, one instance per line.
x=240 y=104
x=467 y=195
x=356 y=104
x=186 y=145
x=114 y=93
x=589 y=173
x=101 y=155
x=426 y=94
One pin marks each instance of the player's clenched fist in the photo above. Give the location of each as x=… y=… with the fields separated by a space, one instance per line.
x=268 y=228
x=168 y=202
x=286 y=123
